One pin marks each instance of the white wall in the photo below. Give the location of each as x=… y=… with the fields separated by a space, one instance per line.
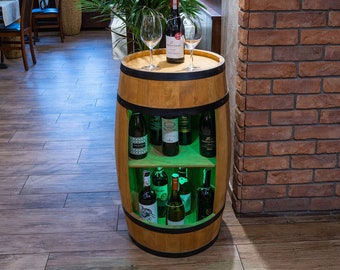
x=229 y=50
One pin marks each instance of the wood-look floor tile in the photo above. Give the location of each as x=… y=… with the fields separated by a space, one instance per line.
x=93 y=199
x=32 y=201
x=66 y=242
x=56 y=220
x=23 y=262
x=217 y=258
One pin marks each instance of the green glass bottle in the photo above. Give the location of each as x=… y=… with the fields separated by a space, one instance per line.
x=159 y=180
x=205 y=197
x=147 y=200
x=184 y=189
x=175 y=209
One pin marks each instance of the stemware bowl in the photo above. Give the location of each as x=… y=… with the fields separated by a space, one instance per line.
x=192 y=34
x=151 y=34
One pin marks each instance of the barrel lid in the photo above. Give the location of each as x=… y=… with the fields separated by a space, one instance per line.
x=210 y=64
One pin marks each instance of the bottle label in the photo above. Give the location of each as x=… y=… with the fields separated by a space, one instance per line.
x=184 y=124
x=138 y=145
x=174 y=46
x=148 y=212
x=161 y=192
x=186 y=199
x=208 y=143
x=155 y=123
x=175 y=223
x=170 y=130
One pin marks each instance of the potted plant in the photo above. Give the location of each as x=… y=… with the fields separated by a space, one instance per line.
x=130 y=12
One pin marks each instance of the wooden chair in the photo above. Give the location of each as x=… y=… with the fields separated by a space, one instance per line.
x=17 y=34
x=47 y=18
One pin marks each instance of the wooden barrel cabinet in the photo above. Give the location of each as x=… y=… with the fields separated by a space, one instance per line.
x=172 y=91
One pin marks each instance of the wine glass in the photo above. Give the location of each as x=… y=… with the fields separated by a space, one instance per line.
x=192 y=33
x=151 y=34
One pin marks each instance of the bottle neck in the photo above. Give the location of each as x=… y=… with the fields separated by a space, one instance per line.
x=174 y=4
x=174 y=185
x=206 y=178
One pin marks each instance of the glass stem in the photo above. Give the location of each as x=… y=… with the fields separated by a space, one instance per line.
x=150 y=62
x=191 y=59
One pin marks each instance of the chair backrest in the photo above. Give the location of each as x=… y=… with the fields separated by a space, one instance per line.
x=26 y=14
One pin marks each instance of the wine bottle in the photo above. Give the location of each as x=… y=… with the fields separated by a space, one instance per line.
x=175 y=209
x=205 y=197
x=159 y=180
x=184 y=189
x=170 y=145
x=207 y=134
x=173 y=36
x=138 y=137
x=155 y=130
x=147 y=200
x=184 y=129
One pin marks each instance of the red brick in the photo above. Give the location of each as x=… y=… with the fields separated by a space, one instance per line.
x=239 y=133
x=274 y=5
x=266 y=163
x=242 y=52
x=334 y=18
x=273 y=37
x=243 y=35
x=238 y=147
x=328 y=147
x=332 y=85
x=259 y=118
x=259 y=54
x=330 y=117
x=295 y=86
x=271 y=70
x=290 y=177
x=320 y=36
x=301 y=19
x=254 y=178
x=301 y=53
x=308 y=190
x=322 y=204
x=258 y=134
x=239 y=117
x=320 y=4
x=263 y=192
x=251 y=206
x=325 y=68
x=238 y=162
x=240 y=101
x=261 y=20
x=327 y=175
x=337 y=191
x=255 y=149
x=243 y=19
x=258 y=87
x=291 y=148
x=332 y=52
x=284 y=205
x=322 y=101
x=241 y=85
x=313 y=161
x=244 y=4
x=241 y=69
x=270 y=102
x=295 y=117
x=317 y=132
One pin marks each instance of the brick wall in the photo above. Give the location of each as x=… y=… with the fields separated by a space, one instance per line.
x=287 y=115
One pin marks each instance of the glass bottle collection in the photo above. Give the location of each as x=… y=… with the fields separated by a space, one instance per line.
x=177 y=201
x=170 y=133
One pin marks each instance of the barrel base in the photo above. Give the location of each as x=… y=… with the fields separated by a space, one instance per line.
x=174 y=255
